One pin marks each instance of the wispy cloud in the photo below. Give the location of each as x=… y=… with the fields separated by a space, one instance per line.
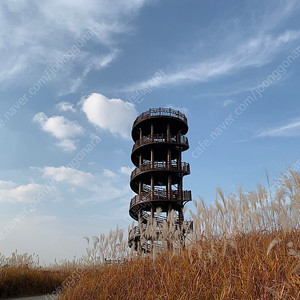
x=38 y=21
x=255 y=52
x=98 y=63
x=92 y=63
x=102 y=188
x=291 y=129
x=228 y=102
x=109 y=173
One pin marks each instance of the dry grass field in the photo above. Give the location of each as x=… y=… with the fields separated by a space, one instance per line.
x=242 y=269
x=21 y=275
x=246 y=245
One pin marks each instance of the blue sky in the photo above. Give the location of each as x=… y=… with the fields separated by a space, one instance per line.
x=75 y=74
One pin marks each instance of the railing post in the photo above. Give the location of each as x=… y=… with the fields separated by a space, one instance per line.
x=179 y=161
x=152 y=187
x=152 y=158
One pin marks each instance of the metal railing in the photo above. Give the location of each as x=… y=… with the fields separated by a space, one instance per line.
x=161 y=138
x=154 y=112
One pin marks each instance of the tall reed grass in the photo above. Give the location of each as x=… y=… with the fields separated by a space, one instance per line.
x=244 y=246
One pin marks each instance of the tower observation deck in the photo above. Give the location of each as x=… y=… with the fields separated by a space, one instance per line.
x=159 y=140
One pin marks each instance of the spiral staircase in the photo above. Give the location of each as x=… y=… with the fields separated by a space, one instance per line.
x=159 y=140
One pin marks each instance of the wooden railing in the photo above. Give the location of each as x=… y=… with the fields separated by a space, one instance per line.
x=154 y=112
x=160 y=195
x=161 y=166
x=161 y=138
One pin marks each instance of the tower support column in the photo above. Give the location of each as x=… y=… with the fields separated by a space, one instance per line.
x=168 y=132
x=152 y=187
x=169 y=158
x=140 y=188
x=180 y=192
x=152 y=129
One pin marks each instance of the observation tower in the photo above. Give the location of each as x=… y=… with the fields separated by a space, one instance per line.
x=159 y=140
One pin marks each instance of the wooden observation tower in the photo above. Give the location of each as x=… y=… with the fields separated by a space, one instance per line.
x=159 y=139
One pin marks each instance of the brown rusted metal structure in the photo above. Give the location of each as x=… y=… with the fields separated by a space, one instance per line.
x=159 y=140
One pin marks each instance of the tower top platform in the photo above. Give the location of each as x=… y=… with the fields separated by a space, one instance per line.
x=178 y=119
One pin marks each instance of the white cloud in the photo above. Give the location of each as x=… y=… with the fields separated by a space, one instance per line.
x=61 y=128
x=6 y=184
x=288 y=130
x=109 y=173
x=254 y=52
x=69 y=175
x=67 y=145
x=114 y=115
x=228 y=102
x=126 y=170
x=58 y=126
x=65 y=106
x=22 y=193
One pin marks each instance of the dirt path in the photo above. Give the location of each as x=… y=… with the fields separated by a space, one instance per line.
x=35 y=298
